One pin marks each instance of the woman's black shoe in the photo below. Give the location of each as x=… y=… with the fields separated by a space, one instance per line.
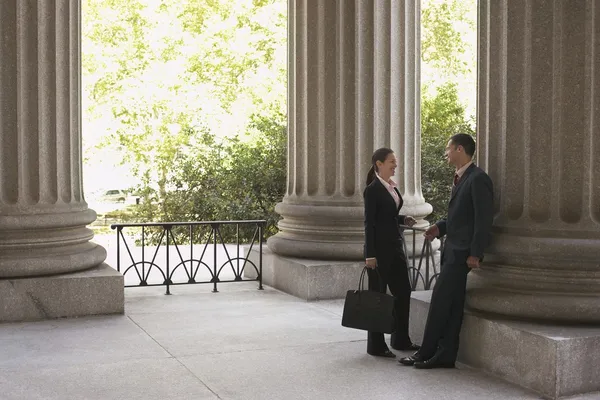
x=410 y=347
x=385 y=354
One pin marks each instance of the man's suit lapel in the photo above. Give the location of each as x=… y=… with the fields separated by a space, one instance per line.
x=461 y=182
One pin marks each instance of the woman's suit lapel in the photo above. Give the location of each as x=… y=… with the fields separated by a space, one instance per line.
x=388 y=197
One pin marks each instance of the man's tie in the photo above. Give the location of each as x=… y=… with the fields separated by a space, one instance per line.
x=456 y=179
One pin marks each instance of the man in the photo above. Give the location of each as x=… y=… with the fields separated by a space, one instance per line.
x=467 y=229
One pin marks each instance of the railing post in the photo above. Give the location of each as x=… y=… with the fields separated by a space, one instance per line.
x=119 y=249
x=260 y=255
x=441 y=248
x=216 y=277
x=238 y=276
x=414 y=245
x=414 y=259
x=168 y=231
x=192 y=275
x=144 y=282
x=427 y=254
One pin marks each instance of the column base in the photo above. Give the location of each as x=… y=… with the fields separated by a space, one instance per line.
x=304 y=278
x=319 y=231
x=326 y=248
x=568 y=308
x=98 y=290
x=553 y=360
x=318 y=248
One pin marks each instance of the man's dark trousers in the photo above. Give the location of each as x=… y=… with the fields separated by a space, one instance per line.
x=447 y=307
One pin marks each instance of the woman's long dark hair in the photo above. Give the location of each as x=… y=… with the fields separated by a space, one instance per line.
x=379 y=155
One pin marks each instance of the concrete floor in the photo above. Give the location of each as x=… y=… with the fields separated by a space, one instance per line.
x=240 y=343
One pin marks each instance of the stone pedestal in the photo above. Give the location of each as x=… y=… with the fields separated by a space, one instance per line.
x=555 y=361
x=93 y=291
x=539 y=139
x=43 y=214
x=307 y=279
x=353 y=86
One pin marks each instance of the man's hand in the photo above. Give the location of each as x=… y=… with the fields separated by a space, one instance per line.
x=409 y=221
x=371 y=263
x=432 y=232
x=473 y=262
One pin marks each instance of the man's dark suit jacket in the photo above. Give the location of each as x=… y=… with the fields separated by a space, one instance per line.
x=381 y=217
x=470 y=216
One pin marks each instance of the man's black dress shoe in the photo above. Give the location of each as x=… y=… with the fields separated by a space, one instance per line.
x=411 y=360
x=434 y=362
x=431 y=365
x=385 y=354
x=410 y=347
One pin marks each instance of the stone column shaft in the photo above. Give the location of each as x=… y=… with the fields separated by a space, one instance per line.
x=323 y=198
x=351 y=89
x=397 y=102
x=405 y=132
x=43 y=214
x=539 y=138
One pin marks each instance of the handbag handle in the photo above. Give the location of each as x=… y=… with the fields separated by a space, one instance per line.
x=361 y=281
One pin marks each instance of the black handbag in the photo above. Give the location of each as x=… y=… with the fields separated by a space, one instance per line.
x=368 y=310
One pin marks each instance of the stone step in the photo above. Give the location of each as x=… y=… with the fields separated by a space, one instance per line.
x=553 y=360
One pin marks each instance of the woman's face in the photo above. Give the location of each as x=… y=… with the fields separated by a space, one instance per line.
x=387 y=169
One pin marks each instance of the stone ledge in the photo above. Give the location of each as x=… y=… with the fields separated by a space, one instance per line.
x=306 y=279
x=91 y=292
x=555 y=361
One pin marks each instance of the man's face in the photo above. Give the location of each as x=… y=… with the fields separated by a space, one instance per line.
x=452 y=153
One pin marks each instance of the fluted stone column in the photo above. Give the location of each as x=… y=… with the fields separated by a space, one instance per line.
x=539 y=138
x=353 y=86
x=397 y=102
x=43 y=214
x=405 y=132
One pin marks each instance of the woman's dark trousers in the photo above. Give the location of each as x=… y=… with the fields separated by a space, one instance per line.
x=392 y=267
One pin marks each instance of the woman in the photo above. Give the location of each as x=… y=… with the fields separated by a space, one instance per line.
x=384 y=249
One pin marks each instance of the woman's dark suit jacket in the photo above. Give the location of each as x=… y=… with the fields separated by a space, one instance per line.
x=381 y=217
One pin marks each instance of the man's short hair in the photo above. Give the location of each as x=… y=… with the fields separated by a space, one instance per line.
x=466 y=141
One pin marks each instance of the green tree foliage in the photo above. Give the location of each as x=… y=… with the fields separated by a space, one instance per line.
x=226 y=179
x=442 y=116
x=155 y=71
x=449 y=85
x=443 y=43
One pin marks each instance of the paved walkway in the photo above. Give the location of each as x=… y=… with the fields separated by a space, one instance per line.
x=240 y=344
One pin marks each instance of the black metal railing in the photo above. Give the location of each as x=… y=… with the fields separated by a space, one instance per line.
x=172 y=262
x=422 y=268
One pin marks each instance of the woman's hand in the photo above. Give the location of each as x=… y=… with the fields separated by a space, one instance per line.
x=409 y=221
x=371 y=263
